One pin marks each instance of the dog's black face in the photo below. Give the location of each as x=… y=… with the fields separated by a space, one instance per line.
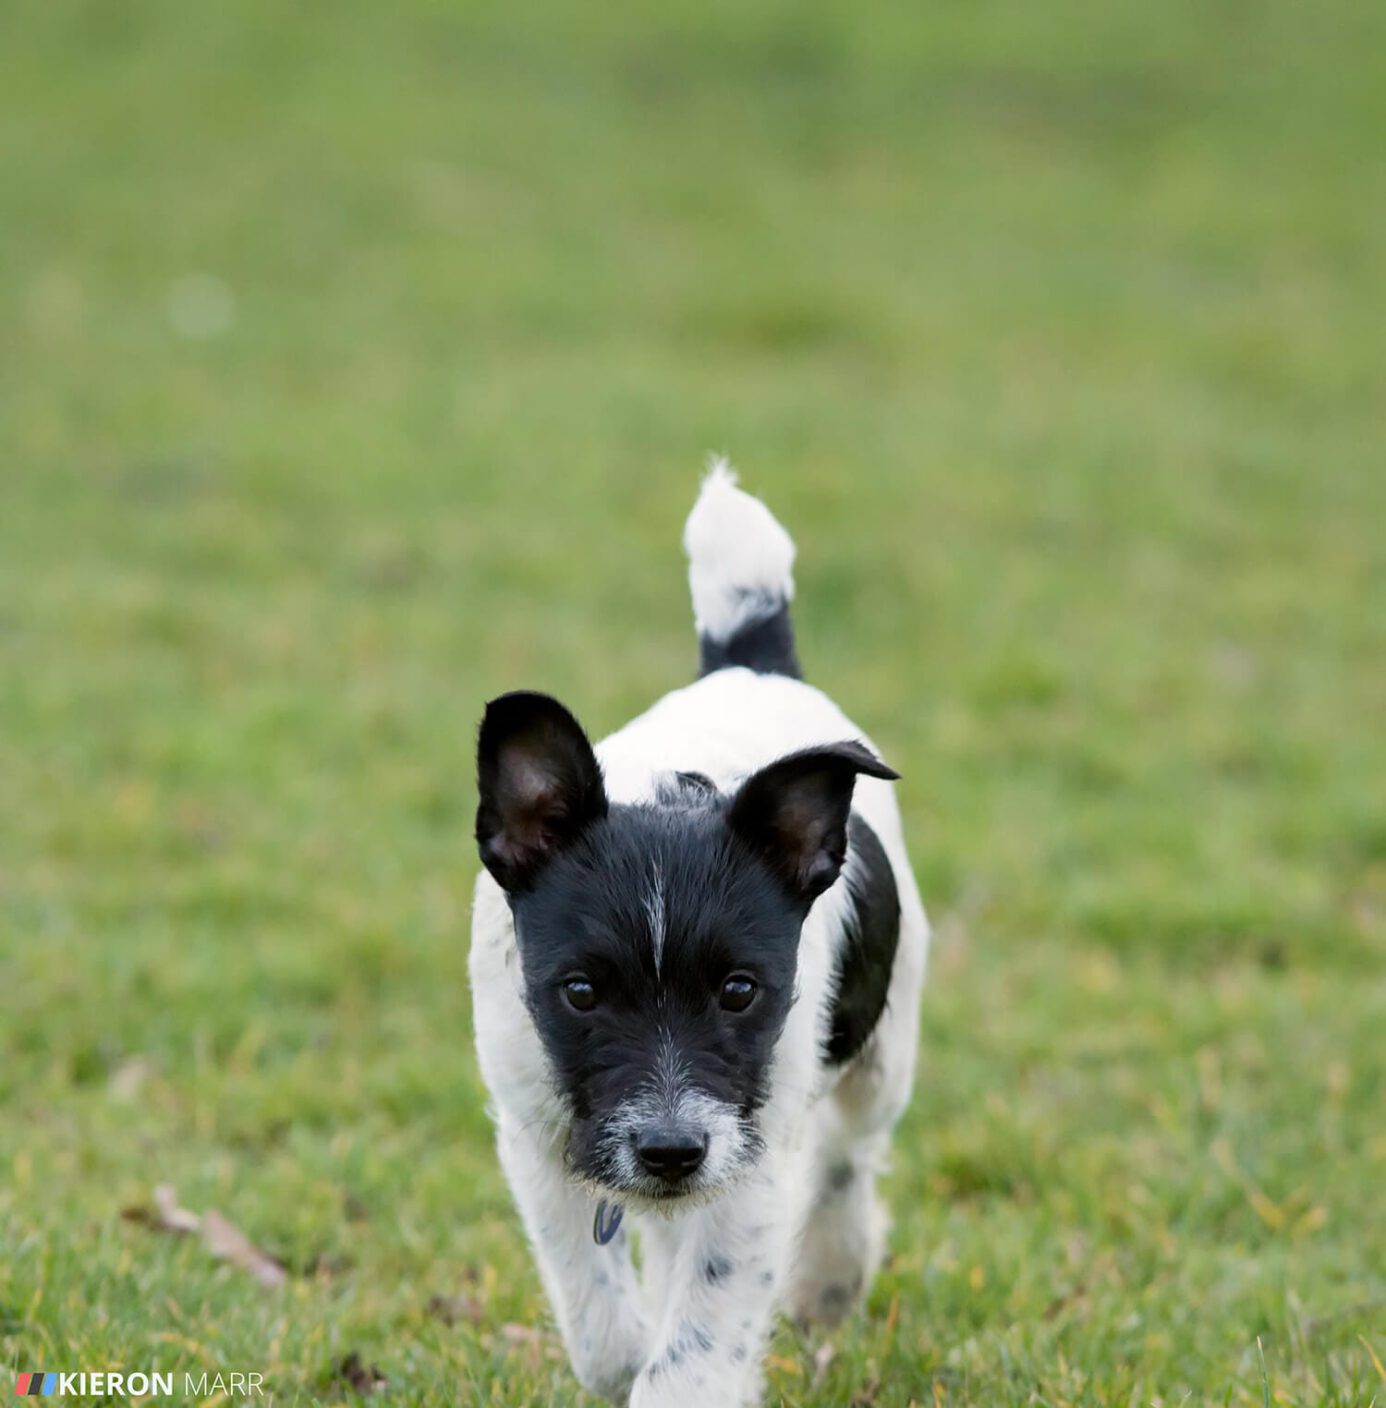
x=659 y=960
x=659 y=942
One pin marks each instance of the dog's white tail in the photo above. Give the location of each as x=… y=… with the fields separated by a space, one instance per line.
x=740 y=571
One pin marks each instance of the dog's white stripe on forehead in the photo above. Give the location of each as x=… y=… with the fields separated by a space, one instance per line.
x=654 y=911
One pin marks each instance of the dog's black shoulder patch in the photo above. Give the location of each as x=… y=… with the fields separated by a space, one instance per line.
x=867 y=956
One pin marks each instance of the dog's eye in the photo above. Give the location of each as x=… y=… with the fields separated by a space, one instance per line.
x=737 y=994
x=581 y=995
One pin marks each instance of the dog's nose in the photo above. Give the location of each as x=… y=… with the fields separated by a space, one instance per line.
x=671 y=1151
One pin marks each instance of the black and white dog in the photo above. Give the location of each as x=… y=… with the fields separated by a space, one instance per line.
x=697 y=954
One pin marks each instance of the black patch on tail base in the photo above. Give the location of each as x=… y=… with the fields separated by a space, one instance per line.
x=867 y=956
x=764 y=644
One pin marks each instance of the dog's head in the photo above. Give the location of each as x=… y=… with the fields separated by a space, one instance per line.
x=659 y=942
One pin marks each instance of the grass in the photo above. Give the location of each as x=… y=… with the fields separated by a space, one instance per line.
x=359 y=364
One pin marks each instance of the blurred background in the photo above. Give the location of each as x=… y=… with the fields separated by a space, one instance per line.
x=360 y=361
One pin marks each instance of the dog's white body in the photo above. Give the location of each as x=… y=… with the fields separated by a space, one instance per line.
x=803 y=1228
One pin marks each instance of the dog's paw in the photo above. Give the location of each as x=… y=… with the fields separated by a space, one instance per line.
x=829 y=1303
x=676 y=1379
x=607 y=1378
x=606 y=1362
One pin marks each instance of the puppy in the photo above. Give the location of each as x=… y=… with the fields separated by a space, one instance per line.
x=697 y=954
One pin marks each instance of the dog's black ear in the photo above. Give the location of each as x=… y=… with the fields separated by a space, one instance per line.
x=539 y=786
x=793 y=814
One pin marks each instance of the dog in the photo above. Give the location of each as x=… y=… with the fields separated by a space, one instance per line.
x=696 y=963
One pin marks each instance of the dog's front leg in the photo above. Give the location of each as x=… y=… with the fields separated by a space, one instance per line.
x=726 y=1268
x=592 y=1288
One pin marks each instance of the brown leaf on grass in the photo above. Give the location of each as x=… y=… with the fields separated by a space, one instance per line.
x=141 y=1216
x=359 y=1377
x=525 y=1341
x=171 y=1216
x=453 y=1309
x=221 y=1237
x=165 y=1215
x=226 y=1241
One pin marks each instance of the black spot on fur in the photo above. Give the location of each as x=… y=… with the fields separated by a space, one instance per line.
x=871 y=934
x=688 y=1339
x=738 y=1354
x=718 y=1268
x=686 y=789
x=840 y=1177
x=697 y=782
x=765 y=644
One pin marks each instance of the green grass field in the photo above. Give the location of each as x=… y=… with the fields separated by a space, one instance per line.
x=359 y=363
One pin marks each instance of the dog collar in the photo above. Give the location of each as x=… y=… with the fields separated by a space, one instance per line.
x=607 y=1222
